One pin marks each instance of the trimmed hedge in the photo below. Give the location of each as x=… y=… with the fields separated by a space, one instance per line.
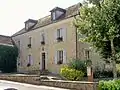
x=8 y=58
x=71 y=74
x=109 y=85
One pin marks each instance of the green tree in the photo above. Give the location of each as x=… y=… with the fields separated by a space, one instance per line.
x=100 y=26
x=8 y=58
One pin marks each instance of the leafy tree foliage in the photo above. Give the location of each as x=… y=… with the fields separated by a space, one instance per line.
x=101 y=27
x=8 y=58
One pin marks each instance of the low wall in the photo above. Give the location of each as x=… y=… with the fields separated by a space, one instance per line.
x=77 y=85
x=31 y=79
x=34 y=79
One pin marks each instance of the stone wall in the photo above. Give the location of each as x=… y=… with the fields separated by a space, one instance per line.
x=34 y=79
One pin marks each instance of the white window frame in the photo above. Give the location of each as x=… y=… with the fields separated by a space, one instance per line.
x=60 y=56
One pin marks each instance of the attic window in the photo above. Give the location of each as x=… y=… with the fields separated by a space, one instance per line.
x=57 y=13
x=30 y=23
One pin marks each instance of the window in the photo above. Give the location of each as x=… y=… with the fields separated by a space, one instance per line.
x=29 y=44
x=29 y=60
x=59 y=35
x=42 y=38
x=87 y=54
x=59 y=57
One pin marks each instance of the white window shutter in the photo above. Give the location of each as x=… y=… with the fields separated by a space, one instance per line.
x=64 y=34
x=55 y=57
x=64 y=57
x=55 y=36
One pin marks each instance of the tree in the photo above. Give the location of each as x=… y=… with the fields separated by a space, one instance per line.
x=101 y=27
x=8 y=58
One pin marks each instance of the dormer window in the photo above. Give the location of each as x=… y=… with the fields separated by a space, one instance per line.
x=30 y=23
x=57 y=13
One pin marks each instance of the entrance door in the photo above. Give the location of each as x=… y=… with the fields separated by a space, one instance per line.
x=43 y=61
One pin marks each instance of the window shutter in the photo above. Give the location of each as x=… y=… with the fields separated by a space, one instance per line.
x=56 y=57
x=64 y=34
x=64 y=57
x=55 y=36
x=40 y=61
x=46 y=59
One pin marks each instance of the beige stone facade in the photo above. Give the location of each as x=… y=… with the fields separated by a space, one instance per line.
x=33 y=51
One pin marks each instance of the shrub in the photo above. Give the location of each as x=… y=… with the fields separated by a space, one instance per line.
x=71 y=74
x=78 y=65
x=8 y=58
x=109 y=85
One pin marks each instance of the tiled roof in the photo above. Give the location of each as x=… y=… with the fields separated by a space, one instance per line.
x=70 y=11
x=5 y=40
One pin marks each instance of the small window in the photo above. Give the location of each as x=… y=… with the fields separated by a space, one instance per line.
x=29 y=60
x=59 y=35
x=87 y=54
x=42 y=38
x=60 y=57
x=29 y=43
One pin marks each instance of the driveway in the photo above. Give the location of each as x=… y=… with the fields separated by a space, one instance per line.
x=22 y=86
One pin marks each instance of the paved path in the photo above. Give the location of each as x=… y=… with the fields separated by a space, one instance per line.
x=21 y=86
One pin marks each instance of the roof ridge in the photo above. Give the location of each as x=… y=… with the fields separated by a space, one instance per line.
x=5 y=36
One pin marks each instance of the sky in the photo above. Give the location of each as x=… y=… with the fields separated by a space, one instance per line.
x=13 y=13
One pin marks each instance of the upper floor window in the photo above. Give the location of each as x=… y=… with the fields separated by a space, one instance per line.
x=57 y=13
x=87 y=54
x=59 y=35
x=42 y=38
x=30 y=23
x=30 y=60
x=29 y=43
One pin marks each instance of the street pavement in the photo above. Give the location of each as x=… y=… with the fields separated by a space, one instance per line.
x=22 y=86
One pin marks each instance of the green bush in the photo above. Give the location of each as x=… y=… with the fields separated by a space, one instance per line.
x=8 y=58
x=78 y=65
x=109 y=85
x=71 y=74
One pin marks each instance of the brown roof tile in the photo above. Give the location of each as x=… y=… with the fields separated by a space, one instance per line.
x=5 y=40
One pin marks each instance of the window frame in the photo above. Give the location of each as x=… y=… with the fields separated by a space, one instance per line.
x=60 y=57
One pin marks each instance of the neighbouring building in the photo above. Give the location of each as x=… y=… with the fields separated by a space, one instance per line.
x=51 y=42
x=6 y=40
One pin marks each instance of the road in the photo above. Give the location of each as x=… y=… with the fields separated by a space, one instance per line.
x=22 y=86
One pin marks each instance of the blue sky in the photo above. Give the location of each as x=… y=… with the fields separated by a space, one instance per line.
x=13 y=13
